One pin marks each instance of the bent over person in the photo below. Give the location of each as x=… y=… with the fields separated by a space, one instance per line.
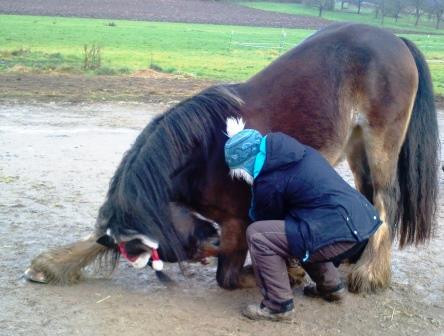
x=301 y=208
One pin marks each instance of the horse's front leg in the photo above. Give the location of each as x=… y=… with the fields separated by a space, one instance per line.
x=64 y=265
x=231 y=258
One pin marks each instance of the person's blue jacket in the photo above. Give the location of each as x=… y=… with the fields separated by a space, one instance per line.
x=297 y=184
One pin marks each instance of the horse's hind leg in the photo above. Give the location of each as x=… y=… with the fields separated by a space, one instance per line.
x=373 y=268
x=64 y=265
x=358 y=162
x=373 y=157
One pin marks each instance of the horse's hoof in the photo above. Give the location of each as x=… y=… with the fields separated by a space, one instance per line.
x=246 y=277
x=34 y=276
x=296 y=274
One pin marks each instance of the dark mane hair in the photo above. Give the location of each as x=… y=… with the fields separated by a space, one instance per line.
x=140 y=191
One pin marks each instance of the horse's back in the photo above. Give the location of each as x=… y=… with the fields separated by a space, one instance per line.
x=317 y=90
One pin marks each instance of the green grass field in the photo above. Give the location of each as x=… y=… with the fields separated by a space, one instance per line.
x=367 y=16
x=200 y=50
x=206 y=51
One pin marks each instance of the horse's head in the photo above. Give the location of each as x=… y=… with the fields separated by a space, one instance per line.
x=197 y=237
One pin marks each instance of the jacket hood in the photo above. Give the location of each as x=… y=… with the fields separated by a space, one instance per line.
x=282 y=150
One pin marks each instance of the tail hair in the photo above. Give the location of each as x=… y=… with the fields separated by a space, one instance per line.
x=418 y=163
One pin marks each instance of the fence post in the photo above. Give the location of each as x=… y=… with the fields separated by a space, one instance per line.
x=231 y=40
x=283 y=36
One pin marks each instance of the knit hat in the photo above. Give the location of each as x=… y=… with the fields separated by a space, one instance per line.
x=242 y=147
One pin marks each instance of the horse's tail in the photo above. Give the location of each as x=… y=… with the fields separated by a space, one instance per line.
x=418 y=163
x=64 y=265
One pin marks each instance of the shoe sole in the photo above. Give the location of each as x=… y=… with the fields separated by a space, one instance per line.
x=330 y=297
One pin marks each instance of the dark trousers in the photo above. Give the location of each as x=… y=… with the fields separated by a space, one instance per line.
x=269 y=251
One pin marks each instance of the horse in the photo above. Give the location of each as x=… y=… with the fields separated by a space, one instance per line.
x=351 y=91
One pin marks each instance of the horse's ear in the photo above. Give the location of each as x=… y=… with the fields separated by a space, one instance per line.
x=107 y=241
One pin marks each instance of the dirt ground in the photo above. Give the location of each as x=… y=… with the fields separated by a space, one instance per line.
x=191 y=11
x=55 y=165
x=143 y=86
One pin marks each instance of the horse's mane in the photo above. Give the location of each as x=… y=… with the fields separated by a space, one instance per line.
x=140 y=191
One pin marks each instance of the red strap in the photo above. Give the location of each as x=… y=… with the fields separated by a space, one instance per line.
x=122 y=251
x=154 y=254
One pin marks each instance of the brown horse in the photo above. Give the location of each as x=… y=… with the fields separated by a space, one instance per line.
x=351 y=91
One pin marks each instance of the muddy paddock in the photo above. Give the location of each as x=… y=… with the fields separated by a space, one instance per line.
x=55 y=164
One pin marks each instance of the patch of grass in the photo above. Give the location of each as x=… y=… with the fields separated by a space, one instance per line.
x=156 y=67
x=170 y=70
x=106 y=71
x=8 y=179
x=20 y=52
x=37 y=61
x=367 y=15
x=124 y=71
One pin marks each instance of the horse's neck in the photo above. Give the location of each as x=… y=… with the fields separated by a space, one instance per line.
x=214 y=194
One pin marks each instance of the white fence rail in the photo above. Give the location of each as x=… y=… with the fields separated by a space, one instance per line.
x=279 y=42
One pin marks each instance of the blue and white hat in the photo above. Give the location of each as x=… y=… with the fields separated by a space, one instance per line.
x=242 y=146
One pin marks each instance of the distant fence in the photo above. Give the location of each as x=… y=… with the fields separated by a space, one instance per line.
x=279 y=42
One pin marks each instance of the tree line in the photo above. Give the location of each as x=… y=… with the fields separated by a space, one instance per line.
x=430 y=9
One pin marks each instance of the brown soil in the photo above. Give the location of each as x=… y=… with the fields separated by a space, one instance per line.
x=144 y=86
x=191 y=11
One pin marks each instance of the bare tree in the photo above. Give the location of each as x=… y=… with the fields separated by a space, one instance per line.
x=381 y=9
x=439 y=11
x=436 y=8
x=418 y=6
x=321 y=5
x=395 y=7
x=358 y=4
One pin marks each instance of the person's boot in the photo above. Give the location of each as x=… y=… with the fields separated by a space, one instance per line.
x=261 y=312
x=335 y=294
x=328 y=282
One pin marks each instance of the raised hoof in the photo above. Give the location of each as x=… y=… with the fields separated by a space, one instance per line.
x=34 y=276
